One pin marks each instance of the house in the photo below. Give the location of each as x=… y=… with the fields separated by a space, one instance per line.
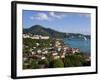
x=54 y=54
x=33 y=53
x=62 y=56
x=43 y=57
x=37 y=44
x=34 y=47
x=75 y=50
x=59 y=49
x=35 y=37
x=44 y=37
x=56 y=57
x=57 y=43
x=31 y=50
x=40 y=37
x=72 y=50
x=25 y=59
x=25 y=36
x=64 y=53
x=45 y=52
x=69 y=50
x=39 y=51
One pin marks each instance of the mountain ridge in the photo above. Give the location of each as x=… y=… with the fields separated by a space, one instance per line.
x=40 y=30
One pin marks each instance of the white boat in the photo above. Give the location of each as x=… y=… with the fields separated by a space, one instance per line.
x=85 y=38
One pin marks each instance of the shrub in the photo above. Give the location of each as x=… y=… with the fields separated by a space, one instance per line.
x=45 y=62
x=67 y=62
x=33 y=64
x=57 y=63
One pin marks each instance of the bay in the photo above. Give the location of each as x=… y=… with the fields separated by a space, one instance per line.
x=83 y=45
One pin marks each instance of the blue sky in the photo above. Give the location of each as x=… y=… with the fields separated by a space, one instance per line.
x=60 y=21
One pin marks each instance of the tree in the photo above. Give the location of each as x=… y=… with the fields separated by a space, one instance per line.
x=73 y=60
x=67 y=62
x=45 y=62
x=57 y=63
x=33 y=64
x=26 y=66
x=76 y=60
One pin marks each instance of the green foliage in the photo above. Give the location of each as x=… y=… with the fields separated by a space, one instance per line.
x=45 y=62
x=40 y=30
x=76 y=60
x=57 y=63
x=73 y=60
x=26 y=66
x=67 y=62
x=33 y=64
x=32 y=43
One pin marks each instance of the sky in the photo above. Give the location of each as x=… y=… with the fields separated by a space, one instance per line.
x=67 y=22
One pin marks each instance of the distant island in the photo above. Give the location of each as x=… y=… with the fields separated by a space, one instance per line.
x=40 y=30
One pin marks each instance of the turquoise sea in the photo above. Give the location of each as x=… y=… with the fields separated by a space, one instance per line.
x=83 y=45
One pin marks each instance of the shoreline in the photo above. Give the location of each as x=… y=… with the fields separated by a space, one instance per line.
x=46 y=52
x=85 y=52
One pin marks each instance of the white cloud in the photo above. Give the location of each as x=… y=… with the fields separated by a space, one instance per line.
x=48 y=17
x=40 y=16
x=58 y=16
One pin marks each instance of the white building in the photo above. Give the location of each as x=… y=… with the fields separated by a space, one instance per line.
x=40 y=37
x=39 y=51
x=33 y=53
x=45 y=52
x=44 y=37
x=25 y=59
x=35 y=37
x=75 y=50
x=57 y=43
x=43 y=57
x=37 y=44
x=54 y=54
x=62 y=56
x=59 y=49
x=25 y=36
x=56 y=57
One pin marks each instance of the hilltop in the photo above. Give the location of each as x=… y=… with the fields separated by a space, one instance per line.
x=40 y=30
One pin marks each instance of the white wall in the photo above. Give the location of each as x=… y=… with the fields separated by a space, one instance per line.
x=5 y=43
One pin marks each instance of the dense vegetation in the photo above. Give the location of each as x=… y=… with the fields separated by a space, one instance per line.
x=32 y=43
x=39 y=30
x=68 y=61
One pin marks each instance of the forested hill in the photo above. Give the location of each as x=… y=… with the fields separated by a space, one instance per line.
x=40 y=30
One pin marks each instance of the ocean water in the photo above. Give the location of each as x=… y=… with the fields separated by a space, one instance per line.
x=83 y=45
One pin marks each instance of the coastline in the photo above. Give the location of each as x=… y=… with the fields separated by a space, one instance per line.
x=86 y=55
x=83 y=45
x=47 y=53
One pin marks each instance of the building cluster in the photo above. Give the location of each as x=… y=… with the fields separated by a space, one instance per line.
x=35 y=36
x=56 y=51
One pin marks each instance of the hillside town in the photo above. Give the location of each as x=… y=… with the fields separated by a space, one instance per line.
x=35 y=36
x=55 y=50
